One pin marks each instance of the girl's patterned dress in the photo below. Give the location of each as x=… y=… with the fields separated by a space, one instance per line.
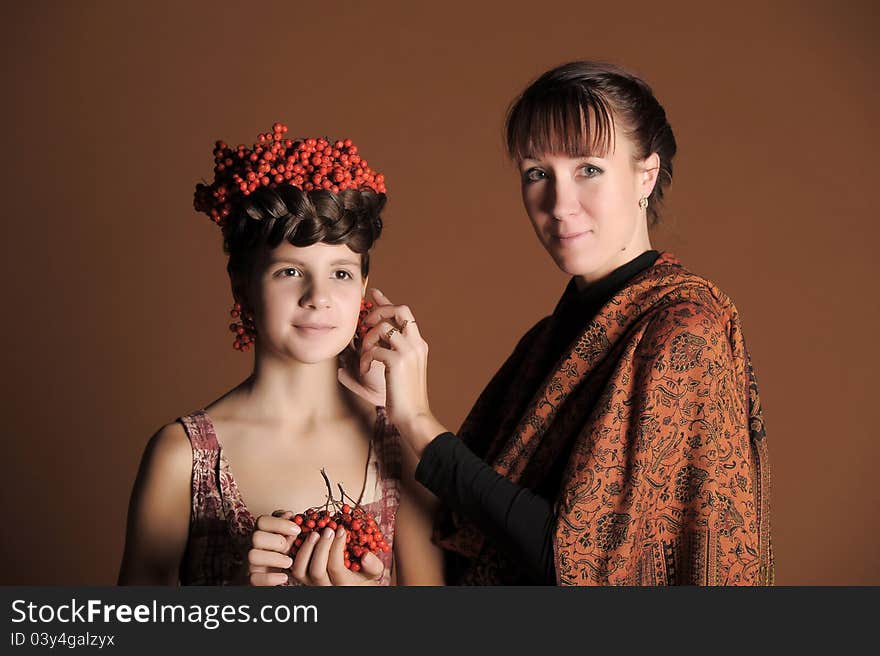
x=221 y=525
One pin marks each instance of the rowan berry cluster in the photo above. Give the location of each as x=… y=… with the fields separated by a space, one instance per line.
x=366 y=308
x=245 y=332
x=362 y=532
x=313 y=163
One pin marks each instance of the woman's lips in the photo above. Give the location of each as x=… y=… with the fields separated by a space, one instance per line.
x=571 y=237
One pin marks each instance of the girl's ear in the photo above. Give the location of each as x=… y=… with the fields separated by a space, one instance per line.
x=239 y=290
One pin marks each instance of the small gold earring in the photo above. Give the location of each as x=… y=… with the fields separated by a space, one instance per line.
x=643 y=203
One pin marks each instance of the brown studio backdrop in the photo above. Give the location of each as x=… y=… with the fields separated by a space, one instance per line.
x=115 y=291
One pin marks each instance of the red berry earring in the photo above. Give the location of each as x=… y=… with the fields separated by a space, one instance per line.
x=362 y=328
x=245 y=332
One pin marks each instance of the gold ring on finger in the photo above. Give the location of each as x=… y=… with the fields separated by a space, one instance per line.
x=390 y=333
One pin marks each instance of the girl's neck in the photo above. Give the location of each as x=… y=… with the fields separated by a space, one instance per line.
x=296 y=393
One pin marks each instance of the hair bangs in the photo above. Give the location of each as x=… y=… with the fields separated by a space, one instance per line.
x=569 y=120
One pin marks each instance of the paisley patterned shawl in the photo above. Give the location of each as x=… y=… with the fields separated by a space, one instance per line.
x=653 y=416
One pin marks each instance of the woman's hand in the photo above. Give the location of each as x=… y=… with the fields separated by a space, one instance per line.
x=393 y=339
x=319 y=561
x=369 y=386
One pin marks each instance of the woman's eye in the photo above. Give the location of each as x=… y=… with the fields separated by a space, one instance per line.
x=590 y=171
x=533 y=175
x=343 y=275
x=289 y=273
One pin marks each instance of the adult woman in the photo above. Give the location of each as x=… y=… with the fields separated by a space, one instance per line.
x=299 y=219
x=622 y=442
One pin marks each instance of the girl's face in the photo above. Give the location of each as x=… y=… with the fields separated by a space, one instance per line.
x=307 y=300
x=585 y=210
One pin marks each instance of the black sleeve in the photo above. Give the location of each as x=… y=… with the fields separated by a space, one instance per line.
x=513 y=514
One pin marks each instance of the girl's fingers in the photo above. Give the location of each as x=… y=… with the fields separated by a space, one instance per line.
x=301 y=562
x=371 y=566
x=270 y=542
x=280 y=525
x=339 y=573
x=260 y=558
x=268 y=578
x=318 y=563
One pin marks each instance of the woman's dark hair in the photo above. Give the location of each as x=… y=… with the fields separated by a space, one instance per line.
x=269 y=216
x=573 y=108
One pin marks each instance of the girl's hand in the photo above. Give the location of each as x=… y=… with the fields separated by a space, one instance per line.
x=268 y=559
x=320 y=561
x=393 y=339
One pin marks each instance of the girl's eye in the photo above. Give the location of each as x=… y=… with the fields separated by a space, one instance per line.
x=289 y=273
x=345 y=275
x=533 y=175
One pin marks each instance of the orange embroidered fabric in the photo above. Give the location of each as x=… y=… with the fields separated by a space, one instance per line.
x=654 y=417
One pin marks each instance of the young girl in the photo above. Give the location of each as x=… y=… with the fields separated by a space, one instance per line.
x=299 y=219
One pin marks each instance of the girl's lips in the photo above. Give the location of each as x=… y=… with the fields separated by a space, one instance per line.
x=314 y=328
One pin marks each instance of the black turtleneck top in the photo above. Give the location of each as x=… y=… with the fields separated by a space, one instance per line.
x=522 y=519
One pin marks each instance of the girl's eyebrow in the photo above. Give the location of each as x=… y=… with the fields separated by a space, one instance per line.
x=305 y=266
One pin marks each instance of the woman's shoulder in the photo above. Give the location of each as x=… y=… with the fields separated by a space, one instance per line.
x=683 y=290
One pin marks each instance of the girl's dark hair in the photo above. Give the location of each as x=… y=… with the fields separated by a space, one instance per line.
x=269 y=216
x=573 y=108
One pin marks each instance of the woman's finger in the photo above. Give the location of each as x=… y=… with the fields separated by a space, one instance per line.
x=399 y=313
x=375 y=333
x=318 y=563
x=260 y=558
x=386 y=356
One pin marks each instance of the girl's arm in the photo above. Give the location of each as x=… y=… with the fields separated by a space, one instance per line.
x=159 y=511
x=417 y=560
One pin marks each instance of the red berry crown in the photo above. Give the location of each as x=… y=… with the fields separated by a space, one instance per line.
x=313 y=163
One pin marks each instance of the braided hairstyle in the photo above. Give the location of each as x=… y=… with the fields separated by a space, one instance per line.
x=285 y=212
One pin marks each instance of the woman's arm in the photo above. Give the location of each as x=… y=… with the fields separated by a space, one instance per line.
x=159 y=511
x=518 y=518
x=418 y=561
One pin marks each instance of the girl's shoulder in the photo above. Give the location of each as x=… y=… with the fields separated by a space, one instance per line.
x=168 y=450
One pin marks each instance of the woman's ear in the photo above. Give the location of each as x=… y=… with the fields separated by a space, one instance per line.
x=649 y=170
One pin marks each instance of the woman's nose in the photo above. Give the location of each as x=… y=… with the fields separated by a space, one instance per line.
x=565 y=198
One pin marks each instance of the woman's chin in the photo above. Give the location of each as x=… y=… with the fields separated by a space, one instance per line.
x=581 y=264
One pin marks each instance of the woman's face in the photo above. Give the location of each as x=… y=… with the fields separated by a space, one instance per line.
x=307 y=300
x=585 y=210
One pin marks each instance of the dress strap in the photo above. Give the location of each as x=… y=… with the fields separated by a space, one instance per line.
x=207 y=492
x=387 y=447
x=200 y=431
